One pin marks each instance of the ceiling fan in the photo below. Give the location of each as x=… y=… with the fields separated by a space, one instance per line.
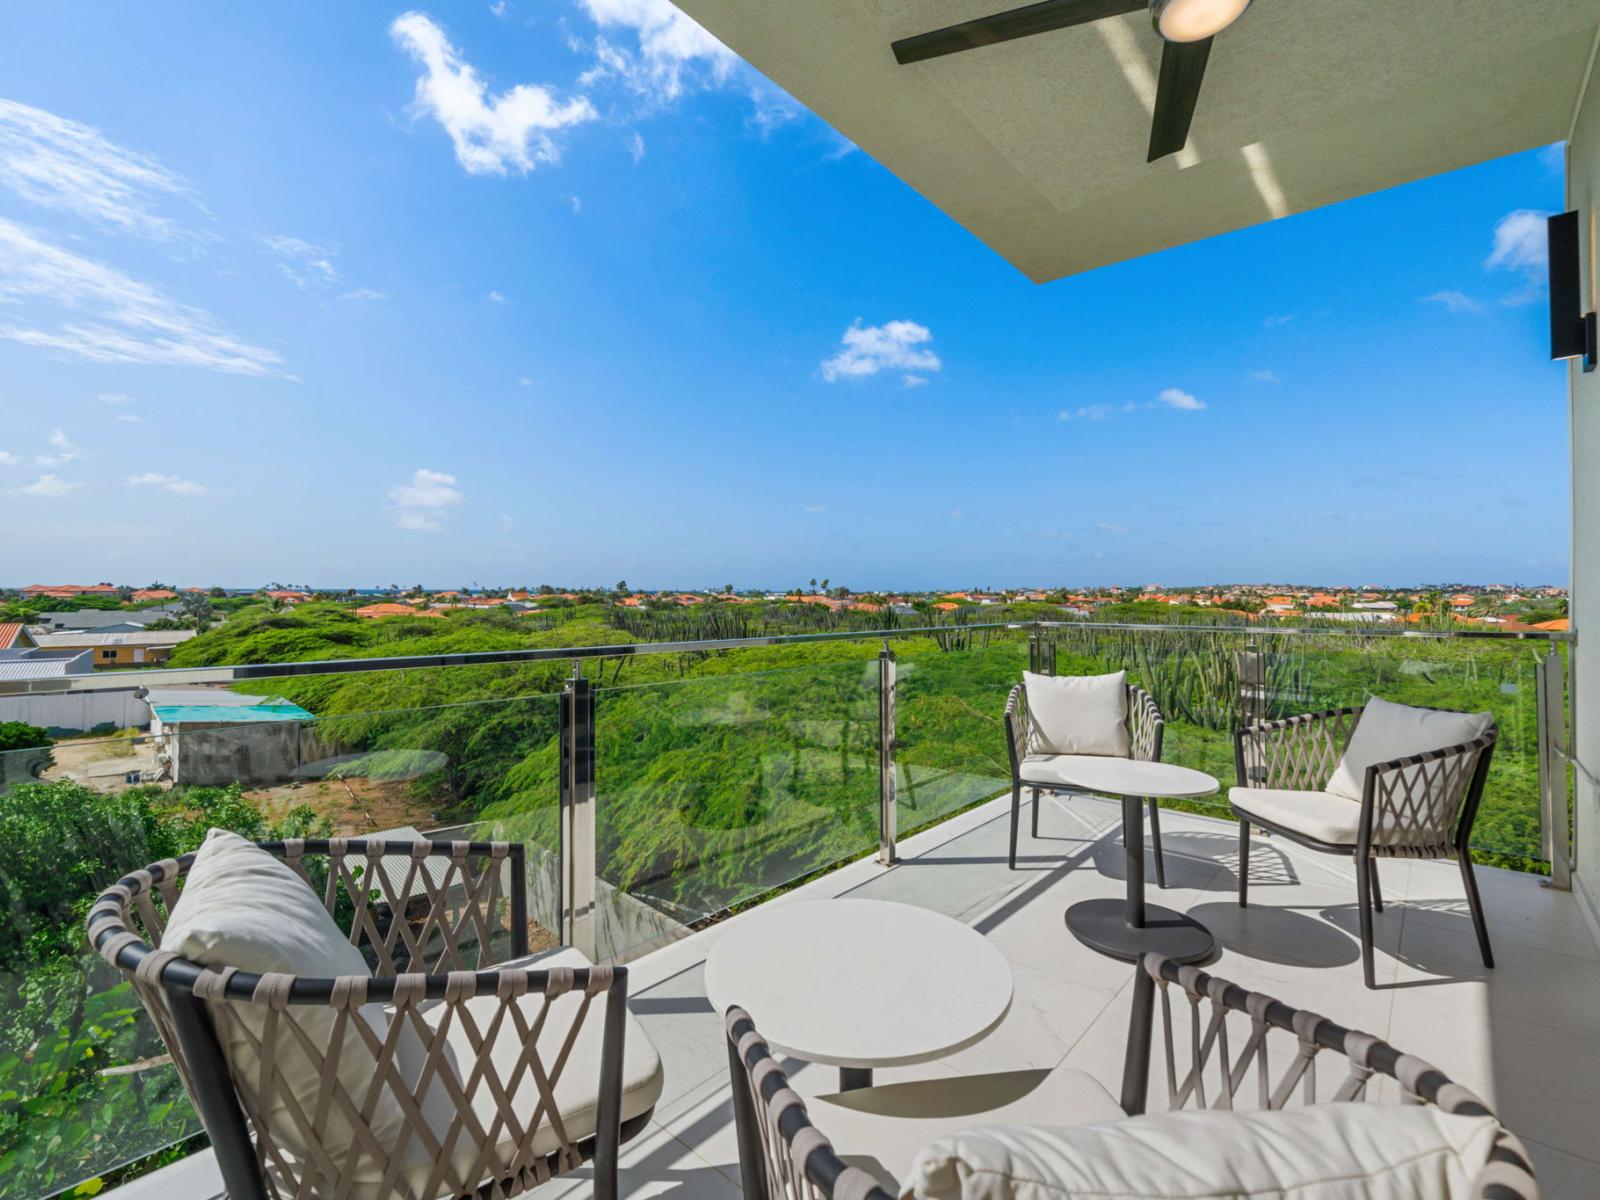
x=1186 y=28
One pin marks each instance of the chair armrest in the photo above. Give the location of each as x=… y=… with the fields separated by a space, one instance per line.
x=1017 y=728
x=1424 y=805
x=1145 y=725
x=1297 y=753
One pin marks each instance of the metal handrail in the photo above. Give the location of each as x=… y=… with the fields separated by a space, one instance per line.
x=242 y=672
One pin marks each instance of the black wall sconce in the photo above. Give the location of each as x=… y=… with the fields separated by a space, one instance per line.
x=1572 y=331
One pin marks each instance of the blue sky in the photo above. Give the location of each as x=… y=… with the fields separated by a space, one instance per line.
x=562 y=291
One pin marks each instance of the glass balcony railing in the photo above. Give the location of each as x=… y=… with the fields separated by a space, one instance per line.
x=700 y=778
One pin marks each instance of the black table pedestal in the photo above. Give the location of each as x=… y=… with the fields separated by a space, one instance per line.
x=1130 y=928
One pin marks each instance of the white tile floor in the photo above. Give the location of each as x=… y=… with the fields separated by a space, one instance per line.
x=1525 y=1035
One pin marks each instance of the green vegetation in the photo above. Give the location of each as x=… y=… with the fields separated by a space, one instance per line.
x=78 y=1092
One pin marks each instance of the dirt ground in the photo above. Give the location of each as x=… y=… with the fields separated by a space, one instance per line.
x=355 y=806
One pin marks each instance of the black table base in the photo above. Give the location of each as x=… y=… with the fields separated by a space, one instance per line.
x=852 y=1078
x=1128 y=928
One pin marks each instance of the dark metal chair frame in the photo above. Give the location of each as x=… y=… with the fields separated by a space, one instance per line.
x=1145 y=726
x=177 y=991
x=1300 y=753
x=783 y=1156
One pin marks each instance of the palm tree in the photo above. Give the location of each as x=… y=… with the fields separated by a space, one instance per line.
x=813 y=584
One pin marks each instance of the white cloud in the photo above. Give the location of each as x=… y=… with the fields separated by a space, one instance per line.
x=47 y=485
x=524 y=381
x=363 y=293
x=1276 y=320
x=497 y=297
x=111 y=317
x=1520 y=242
x=308 y=265
x=913 y=381
x=8 y=459
x=894 y=345
x=956 y=514
x=1111 y=527
x=62 y=451
x=636 y=146
x=1266 y=375
x=815 y=508
x=1454 y=301
x=1088 y=412
x=114 y=398
x=576 y=202
x=169 y=483
x=418 y=502
x=669 y=52
x=1521 y=245
x=130 y=419
x=491 y=135
x=1178 y=398
x=507 y=521
x=61 y=164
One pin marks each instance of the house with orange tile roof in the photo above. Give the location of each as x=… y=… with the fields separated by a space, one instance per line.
x=143 y=594
x=14 y=635
x=1462 y=600
x=1322 y=600
x=945 y=606
x=373 y=612
x=289 y=596
x=1558 y=625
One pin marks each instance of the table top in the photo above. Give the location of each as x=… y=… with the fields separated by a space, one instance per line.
x=860 y=983
x=1130 y=776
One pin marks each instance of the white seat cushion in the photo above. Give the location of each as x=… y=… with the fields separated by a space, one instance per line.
x=1387 y=731
x=1078 y=714
x=881 y=1129
x=577 y=1090
x=1319 y=1152
x=1319 y=815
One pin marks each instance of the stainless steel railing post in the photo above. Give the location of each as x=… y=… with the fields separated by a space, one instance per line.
x=888 y=782
x=578 y=880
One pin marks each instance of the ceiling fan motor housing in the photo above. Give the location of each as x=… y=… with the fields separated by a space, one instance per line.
x=1194 y=20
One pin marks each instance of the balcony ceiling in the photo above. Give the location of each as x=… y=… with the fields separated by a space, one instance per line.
x=1037 y=146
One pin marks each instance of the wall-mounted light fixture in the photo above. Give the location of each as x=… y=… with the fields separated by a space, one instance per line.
x=1572 y=331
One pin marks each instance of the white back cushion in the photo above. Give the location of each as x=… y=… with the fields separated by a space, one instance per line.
x=1318 y=1152
x=1388 y=731
x=1078 y=714
x=242 y=907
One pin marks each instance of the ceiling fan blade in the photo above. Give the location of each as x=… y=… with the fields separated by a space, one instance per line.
x=1183 y=66
x=1014 y=23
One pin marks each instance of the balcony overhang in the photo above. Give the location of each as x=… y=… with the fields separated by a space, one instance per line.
x=1037 y=146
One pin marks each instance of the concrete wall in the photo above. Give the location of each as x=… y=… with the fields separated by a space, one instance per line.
x=79 y=713
x=1583 y=194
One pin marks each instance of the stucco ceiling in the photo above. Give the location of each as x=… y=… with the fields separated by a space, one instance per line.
x=1037 y=146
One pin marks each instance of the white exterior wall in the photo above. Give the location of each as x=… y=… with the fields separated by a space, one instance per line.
x=1583 y=194
x=79 y=711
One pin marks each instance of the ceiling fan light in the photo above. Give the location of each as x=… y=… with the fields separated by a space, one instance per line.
x=1194 y=20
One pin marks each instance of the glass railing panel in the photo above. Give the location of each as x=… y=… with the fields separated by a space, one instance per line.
x=950 y=722
x=714 y=791
x=84 y=1085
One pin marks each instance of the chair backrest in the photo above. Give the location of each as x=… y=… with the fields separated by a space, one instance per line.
x=1209 y=1065
x=782 y=1155
x=1145 y=726
x=1216 y=1040
x=422 y=1083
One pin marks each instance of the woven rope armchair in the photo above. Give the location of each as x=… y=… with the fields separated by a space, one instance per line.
x=1416 y=806
x=1207 y=1065
x=1145 y=725
x=439 y=1075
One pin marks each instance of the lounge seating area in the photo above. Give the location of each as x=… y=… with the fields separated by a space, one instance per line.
x=362 y=1018
x=1507 y=1036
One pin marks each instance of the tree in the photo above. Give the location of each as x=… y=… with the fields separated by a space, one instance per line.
x=19 y=735
x=622 y=587
x=727 y=589
x=813 y=583
x=824 y=585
